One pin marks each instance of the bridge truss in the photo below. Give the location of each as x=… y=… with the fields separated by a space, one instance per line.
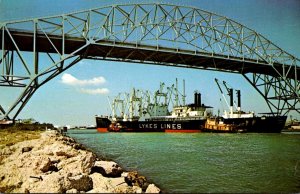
x=36 y=50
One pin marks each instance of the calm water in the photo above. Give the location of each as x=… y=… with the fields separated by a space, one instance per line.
x=204 y=162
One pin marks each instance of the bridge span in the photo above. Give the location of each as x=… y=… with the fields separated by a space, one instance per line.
x=130 y=51
x=153 y=33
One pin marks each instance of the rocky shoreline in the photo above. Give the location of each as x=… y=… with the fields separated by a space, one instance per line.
x=58 y=164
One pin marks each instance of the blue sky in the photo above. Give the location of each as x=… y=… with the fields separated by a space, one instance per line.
x=62 y=103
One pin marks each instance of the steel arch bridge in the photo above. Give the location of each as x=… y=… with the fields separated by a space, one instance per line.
x=36 y=50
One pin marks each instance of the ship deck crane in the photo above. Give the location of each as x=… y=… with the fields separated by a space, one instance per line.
x=230 y=91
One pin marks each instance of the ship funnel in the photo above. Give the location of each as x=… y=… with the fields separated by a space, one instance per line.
x=238 y=92
x=196 y=99
x=199 y=99
x=231 y=100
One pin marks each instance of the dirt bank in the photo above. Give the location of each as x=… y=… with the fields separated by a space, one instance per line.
x=57 y=164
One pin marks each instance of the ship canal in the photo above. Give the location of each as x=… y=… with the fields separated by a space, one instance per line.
x=204 y=162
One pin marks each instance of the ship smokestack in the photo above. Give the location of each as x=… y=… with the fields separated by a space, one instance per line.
x=231 y=100
x=239 y=99
x=195 y=99
x=199 y=99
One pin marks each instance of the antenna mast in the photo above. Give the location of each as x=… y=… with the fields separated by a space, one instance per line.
x=176 y=93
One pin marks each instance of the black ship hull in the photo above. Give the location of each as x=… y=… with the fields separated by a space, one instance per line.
x=264 y=124
x=102 y=124
x=187 y=126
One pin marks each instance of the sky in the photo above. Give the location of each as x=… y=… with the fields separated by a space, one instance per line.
x=77 y=95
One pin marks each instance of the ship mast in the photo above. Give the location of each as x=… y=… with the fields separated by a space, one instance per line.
x=132 y=104
x=183 y=96
x=176 y=94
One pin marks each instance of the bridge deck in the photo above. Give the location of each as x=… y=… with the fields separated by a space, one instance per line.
x=143 y=53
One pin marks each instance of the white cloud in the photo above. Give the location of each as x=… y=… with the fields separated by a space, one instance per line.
x=95 y=91
x=73 y=81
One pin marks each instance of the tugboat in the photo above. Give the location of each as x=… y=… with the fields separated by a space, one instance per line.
x=247 y=122
x=216 y=124
x=293 y=125
x=142 y=112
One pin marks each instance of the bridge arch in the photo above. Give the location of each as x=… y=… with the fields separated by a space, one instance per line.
x=154 y=33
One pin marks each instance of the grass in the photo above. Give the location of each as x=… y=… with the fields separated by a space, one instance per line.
x=21 y=132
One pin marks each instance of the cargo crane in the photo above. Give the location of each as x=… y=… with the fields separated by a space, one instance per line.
x=117 y=104
x=229 y=93
x=233 y=114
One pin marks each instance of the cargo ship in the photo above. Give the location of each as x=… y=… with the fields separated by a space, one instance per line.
x=140 y=111
x=240 y=121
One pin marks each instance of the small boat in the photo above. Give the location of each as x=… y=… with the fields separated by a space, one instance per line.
x=293 y=125
x=216 y=124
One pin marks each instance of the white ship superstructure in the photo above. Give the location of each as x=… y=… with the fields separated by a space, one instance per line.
x=143 y=105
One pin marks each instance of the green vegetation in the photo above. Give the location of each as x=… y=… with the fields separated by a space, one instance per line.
x=21 y=132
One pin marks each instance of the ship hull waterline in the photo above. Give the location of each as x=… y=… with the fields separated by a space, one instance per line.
x=181 y=126
x=268 y=124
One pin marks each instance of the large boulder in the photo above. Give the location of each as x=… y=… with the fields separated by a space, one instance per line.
x=100 y=184
x=80 y=164
x=88 y=161
x=120 y=186
x=81 y=182
x=44 y=164
x=152 y=189
x=107 y=168
x=103 y=184
x=115 y=182
x=133 y=179
x=127 y=189
x=52 y=183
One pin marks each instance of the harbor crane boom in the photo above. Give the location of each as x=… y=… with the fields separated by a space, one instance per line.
x=217 y=81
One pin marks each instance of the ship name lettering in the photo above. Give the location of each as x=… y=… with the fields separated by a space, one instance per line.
x=170 y=126
x=148 y=126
